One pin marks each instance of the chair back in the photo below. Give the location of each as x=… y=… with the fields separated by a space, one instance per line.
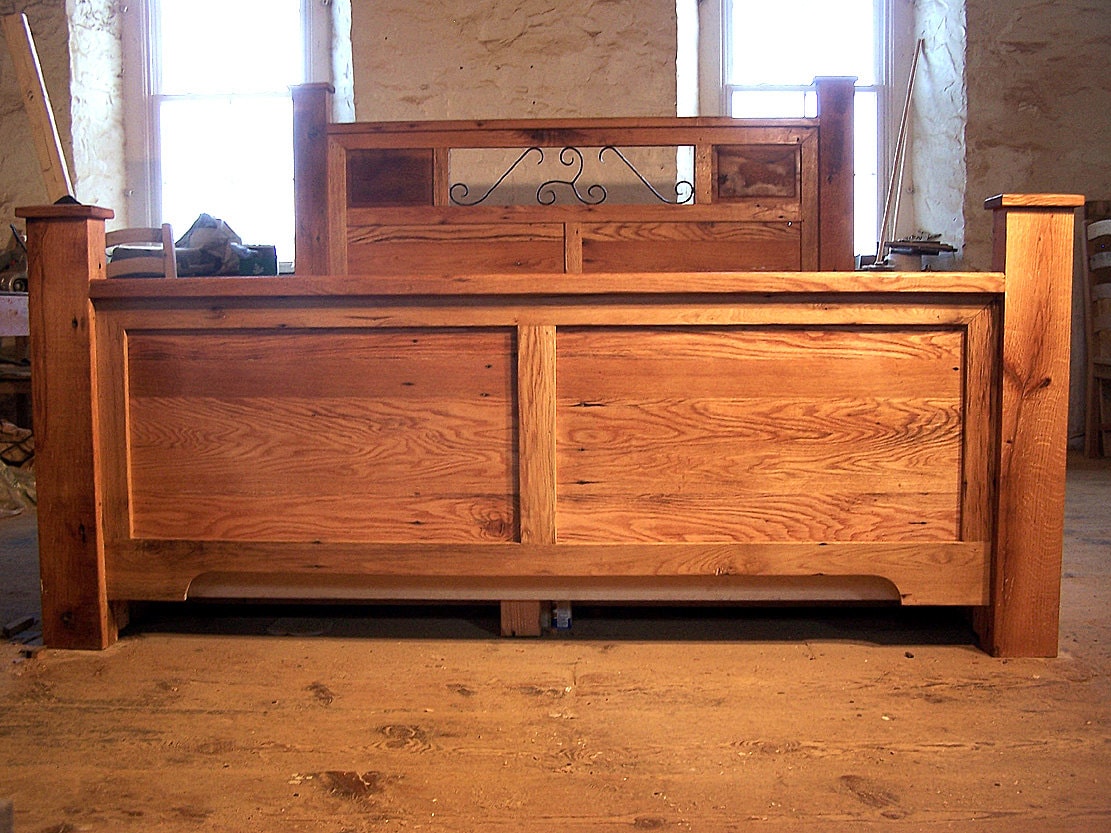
x=141 y=252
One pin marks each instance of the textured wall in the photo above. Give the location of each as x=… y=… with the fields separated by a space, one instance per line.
x=939 y=114
x=21 y=181
x=96 y=89
x=513 y=58
x=1039 y=105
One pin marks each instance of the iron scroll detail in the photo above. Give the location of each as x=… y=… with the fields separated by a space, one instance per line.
x=547 y=193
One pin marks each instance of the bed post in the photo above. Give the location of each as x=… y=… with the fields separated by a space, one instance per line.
x=835 y=172
x=311 y=115
x=65 y=250
x=1033 y=245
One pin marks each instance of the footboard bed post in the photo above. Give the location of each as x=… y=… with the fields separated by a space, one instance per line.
x=1033 y=245
x=65 y=250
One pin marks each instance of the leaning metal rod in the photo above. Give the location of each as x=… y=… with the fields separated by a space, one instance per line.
x=895 y=184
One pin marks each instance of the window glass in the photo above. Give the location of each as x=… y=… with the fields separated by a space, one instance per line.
x=229 y=46
x=230 y=157
x=224 y=114
x=792 y=42
x=775 y=50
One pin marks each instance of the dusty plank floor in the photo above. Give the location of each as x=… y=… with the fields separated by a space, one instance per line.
x=705 y=721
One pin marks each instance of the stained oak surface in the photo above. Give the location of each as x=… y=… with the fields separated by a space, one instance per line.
x=388 y=436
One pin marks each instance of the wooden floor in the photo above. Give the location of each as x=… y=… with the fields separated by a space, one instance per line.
x=336 y=720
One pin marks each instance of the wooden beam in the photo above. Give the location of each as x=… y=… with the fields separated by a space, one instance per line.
x=835 y=170
x=311 y=114
x=44 y=131
x=1033 y=244
x=536 y=363
x=66 y=247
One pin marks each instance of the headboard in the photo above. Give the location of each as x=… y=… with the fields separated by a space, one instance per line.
x=574 y=196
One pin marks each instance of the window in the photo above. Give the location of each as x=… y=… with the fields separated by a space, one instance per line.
x=773 y=51
x=218 y=116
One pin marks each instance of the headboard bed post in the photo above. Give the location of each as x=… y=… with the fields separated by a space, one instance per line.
x=311 y=115
x=66 y=250
x=835 y=170
x=1033 y=245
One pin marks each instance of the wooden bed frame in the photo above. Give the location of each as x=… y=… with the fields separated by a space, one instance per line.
x=541 y=434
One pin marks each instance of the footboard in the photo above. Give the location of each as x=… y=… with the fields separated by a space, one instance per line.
x=660 y=435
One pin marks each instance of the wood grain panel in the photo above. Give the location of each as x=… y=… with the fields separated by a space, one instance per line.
x=423 y=248
x=722 y=513
x=354 y=436
x=451 y=257
x=606 y=364
x=694 y=247
x=880 y=445
x=924 y=572
x=747 y=171
x=369 y=440
x=389 y=176
x=320 y=510
x=417 y=362
x=770 y=434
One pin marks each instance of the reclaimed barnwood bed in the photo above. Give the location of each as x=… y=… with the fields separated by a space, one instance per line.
x=555 y=427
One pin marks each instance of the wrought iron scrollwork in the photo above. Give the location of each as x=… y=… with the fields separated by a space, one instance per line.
x=684 y=190
x=463 y=190
x=571 y=157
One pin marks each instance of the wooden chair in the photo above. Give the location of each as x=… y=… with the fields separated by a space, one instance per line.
x=1097 y=288
x=149 y=253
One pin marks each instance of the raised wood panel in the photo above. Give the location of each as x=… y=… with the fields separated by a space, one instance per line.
x=747 y=171
x=695 y=247
x=355 y=436
x=412 y=363
x=727 y=516
x=475 y=247
x=730 y=434
x=874 y=444
x=389 y=177
x=597 y=365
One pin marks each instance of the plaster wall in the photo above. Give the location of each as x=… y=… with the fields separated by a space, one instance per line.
x=937 y=124
x=513 y=59
x=96 y=92
x=1039 y=105
x=1039 y=120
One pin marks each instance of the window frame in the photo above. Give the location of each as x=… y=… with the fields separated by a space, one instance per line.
x=887 y=35
x=142 y=97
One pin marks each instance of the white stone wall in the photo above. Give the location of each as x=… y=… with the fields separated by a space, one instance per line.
x=513 y=59
x=938 y=121
x=1039 y=120
x=96 y=85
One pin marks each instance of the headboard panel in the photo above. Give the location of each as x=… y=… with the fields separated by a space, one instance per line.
x=576 y=196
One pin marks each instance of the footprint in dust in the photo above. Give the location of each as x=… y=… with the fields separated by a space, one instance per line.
x=353 y=786
x=873 y=794
x=409 y=738
x=321 y=693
